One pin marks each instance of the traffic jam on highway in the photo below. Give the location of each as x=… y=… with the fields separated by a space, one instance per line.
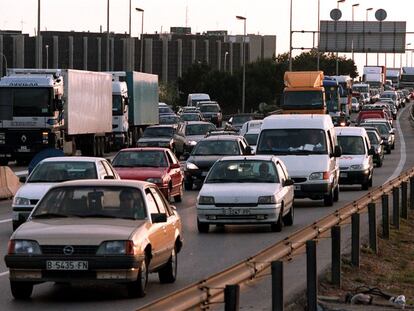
x=80 y=217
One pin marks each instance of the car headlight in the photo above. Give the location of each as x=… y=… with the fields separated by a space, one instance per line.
x=192 y=142
x=359 y=167
x=319 y=176
x=116 y=248
x=205 y=200
x=191 y=166
x=21 y=201
x=155 y=180
x=24 y=247
x=266 y=199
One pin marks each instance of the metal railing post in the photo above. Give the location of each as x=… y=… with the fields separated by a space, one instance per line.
x=231 y=297
x=385 y=217
x=311 y=275
x=372 y=222
x=355 y=251
x=277 y=286
x=404 y=200
x=336 y=255
x=396 y=207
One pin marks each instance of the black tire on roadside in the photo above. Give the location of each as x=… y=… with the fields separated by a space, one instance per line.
x=138 y=288
x=328 y=200
x=278 y=225
x=21 y=290
x=179 y=197
x=289 y=217
x=336 y=194
x=202 y=227
x=168 y=273
x=188 y=185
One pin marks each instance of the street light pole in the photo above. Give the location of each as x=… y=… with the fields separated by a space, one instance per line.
x=130 y=17
x=337 y=61
x=406 y=55
x=142 y=38
x=38 y=45
x=107 y=36
x=353 y=7
x=290 y=37
x=319 y=18
x=225 y=61
x=366 y=19
x=47 y=56
x=244 y=62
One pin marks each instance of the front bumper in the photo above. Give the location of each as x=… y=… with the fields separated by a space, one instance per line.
x=354 y=177
x=100 y=268
x=259 y=214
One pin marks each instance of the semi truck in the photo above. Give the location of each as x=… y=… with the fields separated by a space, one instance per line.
x=375 y=76
x=54 y=108
x=394 y=75
x=407 y=78
x=304 y=93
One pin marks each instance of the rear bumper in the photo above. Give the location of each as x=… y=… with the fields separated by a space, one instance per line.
x=312 y=191
x=354 y=177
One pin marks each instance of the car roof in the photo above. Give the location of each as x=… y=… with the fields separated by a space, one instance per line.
x=73 y=159
x=350 y=130
x=144 y=149
x=254 y=130
x=250 y=158
x=198 y=122
x=162 y=125
x=294 y=121
x=376 y=120
x=222 y=137
x=104 y=182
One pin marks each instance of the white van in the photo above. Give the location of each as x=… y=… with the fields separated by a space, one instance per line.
x=250 y=125
x=194 y=98
x=356 y=163
x=307 y=144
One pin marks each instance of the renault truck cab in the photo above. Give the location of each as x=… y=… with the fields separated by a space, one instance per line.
x=307 y=144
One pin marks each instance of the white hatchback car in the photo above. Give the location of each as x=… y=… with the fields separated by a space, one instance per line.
x=246 y=190
x=51 y=171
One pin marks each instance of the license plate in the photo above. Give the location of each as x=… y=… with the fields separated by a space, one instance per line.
x=236 y=211
x=297 y=187
x=343 y=174
x=24 y=149
x=66 y=265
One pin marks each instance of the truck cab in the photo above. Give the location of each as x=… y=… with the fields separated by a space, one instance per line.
x=120 y=102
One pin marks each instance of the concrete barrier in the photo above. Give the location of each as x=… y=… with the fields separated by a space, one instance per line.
x=9 y=183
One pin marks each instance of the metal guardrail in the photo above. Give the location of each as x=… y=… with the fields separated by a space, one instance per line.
x=201 y=294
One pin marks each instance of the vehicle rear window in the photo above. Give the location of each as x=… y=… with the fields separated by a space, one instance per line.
x=63 y=171
x=140 y=158
x=216 y=147
x=352 y=145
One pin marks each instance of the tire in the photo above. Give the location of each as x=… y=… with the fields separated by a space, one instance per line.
x=393 y=146
x=21 y=290
x=389 y=150
x=328 y=200
x=379 y=163
x=365 y=185
x=278 y=225
x=289 y=217
x=188 y=185
x=179 y=197
x=336 y=194
x=202 y=227
x=168 y=197
x=137 y=288
x=370 y=182
x=168 y=273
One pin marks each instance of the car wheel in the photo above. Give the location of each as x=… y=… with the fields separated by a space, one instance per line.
x=21 y=290
x=388 y=149
x=365 y=185
x=168 y=273
x=188 y=185
x=379 y=163
x=393 y=146
x=202 y=227
x=278 y=225
x=169 y=194
x=370 y=182
x=328 y=199
x=336 y=194
x=289 y=217
x=179 y=197
x=138 y=288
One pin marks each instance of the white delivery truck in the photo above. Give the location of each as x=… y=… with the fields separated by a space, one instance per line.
x=54 y=108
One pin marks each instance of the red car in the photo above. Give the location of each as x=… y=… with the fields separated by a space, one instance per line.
x=157 y=165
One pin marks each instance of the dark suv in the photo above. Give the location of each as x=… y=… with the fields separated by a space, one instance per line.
x=211 y=112
x=207 y=152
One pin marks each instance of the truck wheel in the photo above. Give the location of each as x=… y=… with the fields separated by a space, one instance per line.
x=168 y=273
x=21 y=290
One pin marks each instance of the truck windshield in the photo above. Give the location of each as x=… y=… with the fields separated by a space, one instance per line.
x=361 y=89
x=117 y=105
x=292 y=142
x=407 y=78
x=303 y=100
x=332 y=99
x=28 y=102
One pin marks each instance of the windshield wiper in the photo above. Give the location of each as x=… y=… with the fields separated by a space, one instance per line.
x=50 y=215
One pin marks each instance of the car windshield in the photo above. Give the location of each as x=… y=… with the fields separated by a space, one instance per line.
x=190 y=117
x=216 y=147
x=209 y=108
x=389 y=95
x=198 y=129
x=373 y=138
x=54 y=172
x=92 y=202
x=252 y=138
x=352 y=145
x=242 y=171
x=140 y=158
x=169 y=120
x=292 y=142
x=165 y=110
x=159 y=132
x=241 y=119
x=381 y=127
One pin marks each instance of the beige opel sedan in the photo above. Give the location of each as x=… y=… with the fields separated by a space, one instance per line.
x=96 y=230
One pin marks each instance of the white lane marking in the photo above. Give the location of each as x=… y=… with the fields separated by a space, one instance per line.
x=4 y=273
x=5 y=220
x=403 y=156
x=22 y=173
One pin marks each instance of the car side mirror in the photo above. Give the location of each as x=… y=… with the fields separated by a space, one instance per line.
x=175 y=165
x=248 y=150
x=186 y=155
x=158 y=218
x=337 y=151
x=288 y=182
x=371 y=151
x=22 y=179
x=109 y=177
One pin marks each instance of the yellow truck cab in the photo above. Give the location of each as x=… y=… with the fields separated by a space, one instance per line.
x=304 y=93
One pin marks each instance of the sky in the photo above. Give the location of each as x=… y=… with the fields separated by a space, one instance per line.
x=265 y=17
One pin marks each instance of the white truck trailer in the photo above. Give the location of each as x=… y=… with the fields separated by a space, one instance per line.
x=54 y=108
